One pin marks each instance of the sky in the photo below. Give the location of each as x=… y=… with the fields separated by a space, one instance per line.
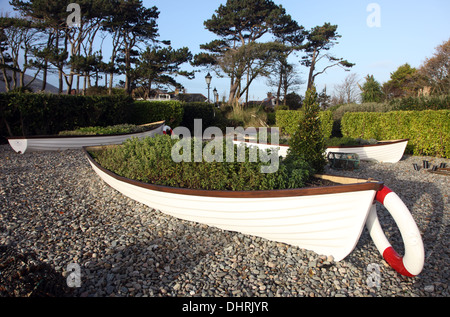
x=397 y=32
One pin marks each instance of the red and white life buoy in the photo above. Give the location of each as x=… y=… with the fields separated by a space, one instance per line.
x=411 y=264
x=167 y=130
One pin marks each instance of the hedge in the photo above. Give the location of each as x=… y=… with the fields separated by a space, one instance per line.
x=151 y=111
x=48 y=114
x=287 y=121
x=38 y=114
x=428 y=131
x=211 y=116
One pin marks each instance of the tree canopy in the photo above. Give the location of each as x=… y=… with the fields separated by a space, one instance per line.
x=254 y=38
x=371 y=90
x=239 y=24
x=320 y=40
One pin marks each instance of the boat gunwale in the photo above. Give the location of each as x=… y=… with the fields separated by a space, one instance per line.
x=158 y=124
x=353 y=185
x=380 y=143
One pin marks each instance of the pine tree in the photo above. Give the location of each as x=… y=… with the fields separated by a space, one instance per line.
x=308 y=141
x=371 y=90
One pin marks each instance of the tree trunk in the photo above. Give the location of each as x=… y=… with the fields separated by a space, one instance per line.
x=233 y=89
x=60 y=81
x=5 y=77
x=111 y=75
x=311 y=70
x=279 y=85
x=44 y=76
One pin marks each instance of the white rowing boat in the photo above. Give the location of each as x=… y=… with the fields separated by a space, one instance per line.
x=328 y=220
x=383 y=151
x=60 y=143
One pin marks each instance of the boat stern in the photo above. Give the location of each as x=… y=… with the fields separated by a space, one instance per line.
x=19 y=145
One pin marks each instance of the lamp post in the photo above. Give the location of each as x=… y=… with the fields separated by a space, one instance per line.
x=208 y=82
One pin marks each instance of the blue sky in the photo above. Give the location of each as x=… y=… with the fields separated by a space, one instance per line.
x=409 y=32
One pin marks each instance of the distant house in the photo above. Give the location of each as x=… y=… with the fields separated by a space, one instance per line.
x=191 y=97
x=161 y=95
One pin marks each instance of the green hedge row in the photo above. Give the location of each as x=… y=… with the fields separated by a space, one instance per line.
x=428 y=131
x=287 y=121
x=152 y=111
x=47 y=114
x=39 y=114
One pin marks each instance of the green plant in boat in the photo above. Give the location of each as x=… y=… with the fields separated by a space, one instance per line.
x=149 y=160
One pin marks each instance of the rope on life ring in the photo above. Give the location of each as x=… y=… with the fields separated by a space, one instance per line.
x=411 y=264
x=167 y=130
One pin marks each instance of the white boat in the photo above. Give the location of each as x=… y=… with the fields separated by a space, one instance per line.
x=328 y=220
x=383 y=151
x=60 y=143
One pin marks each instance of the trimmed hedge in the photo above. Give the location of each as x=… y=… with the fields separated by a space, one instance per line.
x=287 y=121
x=48 y=114
x=428 y=131
x=39 y=114
x=143 y=112
x=210 y=115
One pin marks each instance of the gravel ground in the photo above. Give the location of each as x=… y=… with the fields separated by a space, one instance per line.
x=56 y=211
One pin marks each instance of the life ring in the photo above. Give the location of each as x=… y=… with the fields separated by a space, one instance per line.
x=411 y=264
x=167 y=130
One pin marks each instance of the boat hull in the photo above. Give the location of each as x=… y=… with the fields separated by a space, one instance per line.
x=385 y=151
x=328 y=221
x=61 y=143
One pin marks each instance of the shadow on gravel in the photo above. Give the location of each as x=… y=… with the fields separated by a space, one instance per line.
x=142 y=268
x=23 y=275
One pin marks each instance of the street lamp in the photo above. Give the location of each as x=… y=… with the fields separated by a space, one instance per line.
x=208 y=82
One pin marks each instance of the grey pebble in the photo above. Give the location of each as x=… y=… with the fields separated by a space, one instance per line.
x=64 y=213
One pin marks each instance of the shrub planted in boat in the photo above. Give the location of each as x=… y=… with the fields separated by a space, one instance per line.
x=150 y=160
x=109 y=130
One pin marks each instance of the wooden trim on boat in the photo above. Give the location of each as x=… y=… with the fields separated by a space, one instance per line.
x=347 y=184
x=157 y=124
x=380 y=143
